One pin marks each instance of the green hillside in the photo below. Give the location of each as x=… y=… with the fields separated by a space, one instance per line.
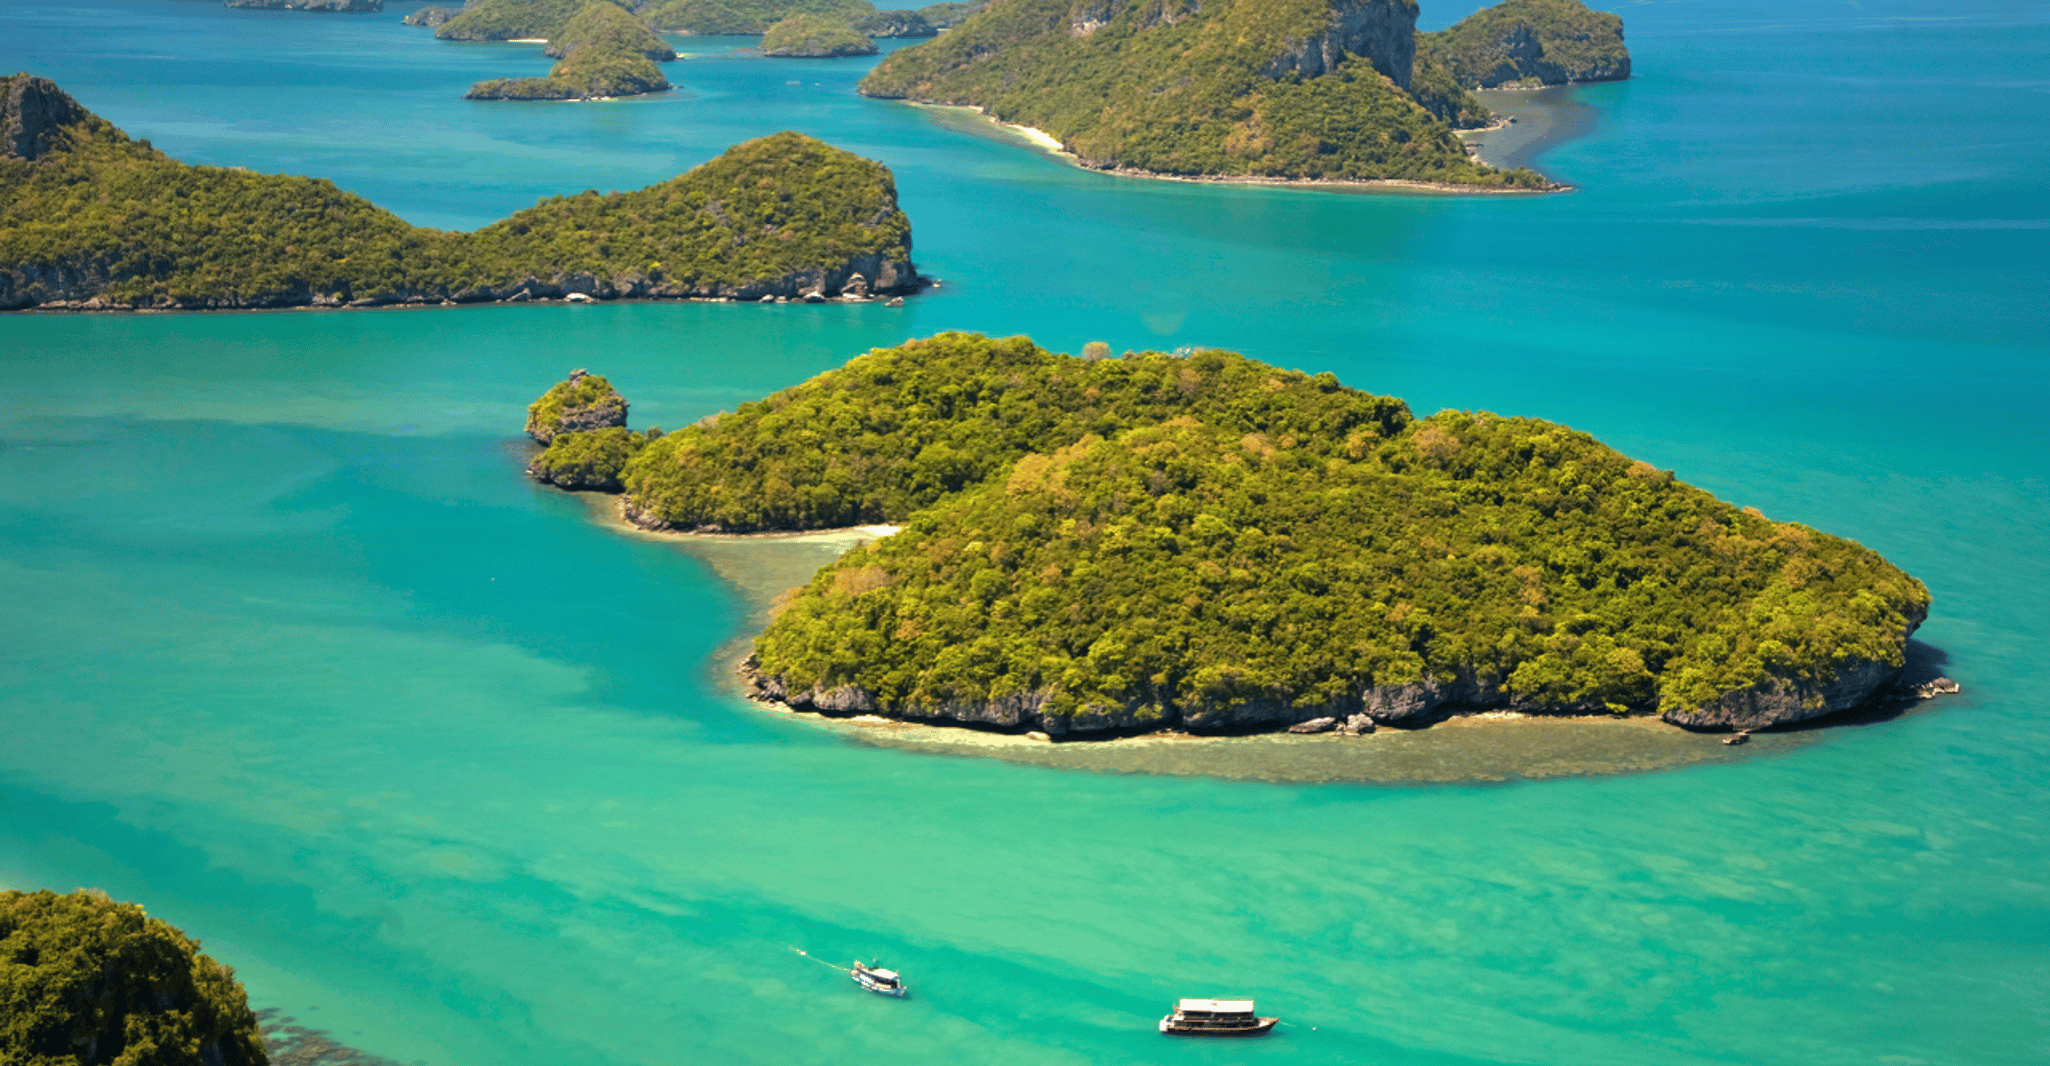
x=1528 y=43
x=85 y=980
x=508 y=20
x=1266 y=553
x=91 y=218
x=604 y=52
x=1289 y=89
x=815 y=37
x=899 y=429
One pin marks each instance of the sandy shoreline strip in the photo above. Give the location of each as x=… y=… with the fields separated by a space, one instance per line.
x=1052 y=146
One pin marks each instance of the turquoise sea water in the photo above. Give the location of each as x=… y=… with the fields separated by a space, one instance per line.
x=292 y=654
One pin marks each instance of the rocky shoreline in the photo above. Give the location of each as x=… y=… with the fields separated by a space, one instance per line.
x=846 y=284
x=1777 y=702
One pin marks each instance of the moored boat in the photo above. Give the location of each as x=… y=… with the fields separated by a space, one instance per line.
x=1216 y=1017
x=880 y=981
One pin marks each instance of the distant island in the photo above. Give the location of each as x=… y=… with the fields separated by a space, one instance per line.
x=815 y=37
x=1248 y=90
x=353 y=7
x=432 y=15
x=603 y=53
x=1203 y=541
x=1528 y=44
x=747 y=17
x=92 y=220
x=88 y=980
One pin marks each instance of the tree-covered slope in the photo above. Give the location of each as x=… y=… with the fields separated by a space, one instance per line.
x=1530 y=42
x=511 y=20
x=91 y=218
x=898 y=429
x=815 y=37
x=1292 y=89
x=86 y=981
x=604 y=53
x=1197 y=571
x=744 y=16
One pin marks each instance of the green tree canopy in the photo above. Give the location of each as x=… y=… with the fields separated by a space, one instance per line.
x=85 y=981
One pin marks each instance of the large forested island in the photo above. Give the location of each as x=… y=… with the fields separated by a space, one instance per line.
x=1324 y=90
x=92 y=220
x=1204 y=541
x=85 y=980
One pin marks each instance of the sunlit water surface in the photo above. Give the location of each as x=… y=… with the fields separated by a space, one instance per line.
x=291 y=653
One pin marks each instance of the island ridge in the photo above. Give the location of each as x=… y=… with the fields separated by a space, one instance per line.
x=92 y=220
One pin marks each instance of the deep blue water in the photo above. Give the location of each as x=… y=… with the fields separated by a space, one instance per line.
x=292 y=654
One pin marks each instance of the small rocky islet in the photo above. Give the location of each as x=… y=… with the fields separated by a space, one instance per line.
x=1198 y=541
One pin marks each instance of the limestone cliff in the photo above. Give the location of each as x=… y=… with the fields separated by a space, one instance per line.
x=1383 y=32
x=33 y=114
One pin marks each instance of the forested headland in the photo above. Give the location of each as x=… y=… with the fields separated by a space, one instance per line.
x=92 y=219
x=1200 y=540
x=1297 y=90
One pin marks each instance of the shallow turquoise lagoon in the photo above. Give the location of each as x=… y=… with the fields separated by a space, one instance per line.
x=291 y=653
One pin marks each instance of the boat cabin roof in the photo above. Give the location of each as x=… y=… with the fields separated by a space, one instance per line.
x=1216 y=1006
x=887 y=975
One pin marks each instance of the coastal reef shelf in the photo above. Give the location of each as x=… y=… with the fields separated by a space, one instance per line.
x=1199 y=541
x=92 y=220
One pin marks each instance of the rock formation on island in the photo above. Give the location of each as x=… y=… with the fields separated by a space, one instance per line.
x=1208 y=542
x=430 y=16
x=952 y=13
x=579 y=403
x=511 y=20
x=581 y=421
x=896 y=24
x=815 y=37
x=1261 y=89
x=86 y=980
x=92 y=220
x=744 y=16
x=1527 y=43
x=353 y=7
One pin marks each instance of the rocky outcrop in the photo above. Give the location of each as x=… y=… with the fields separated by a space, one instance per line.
x=33 y=113
x=896 y=24
x=1383 y=32
x=1776 y=702
x=353 y=7
x=579 y=404
x=430 y=16
x=82 y=287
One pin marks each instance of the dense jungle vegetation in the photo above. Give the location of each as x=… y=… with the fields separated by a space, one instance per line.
x=816 y=37
x=1295 y=542
x=604 y=52
x=507 y=20
x=85 y=980
x=99 y=215
x=1527 y=43
x=899 y=429
x=1176 y=87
